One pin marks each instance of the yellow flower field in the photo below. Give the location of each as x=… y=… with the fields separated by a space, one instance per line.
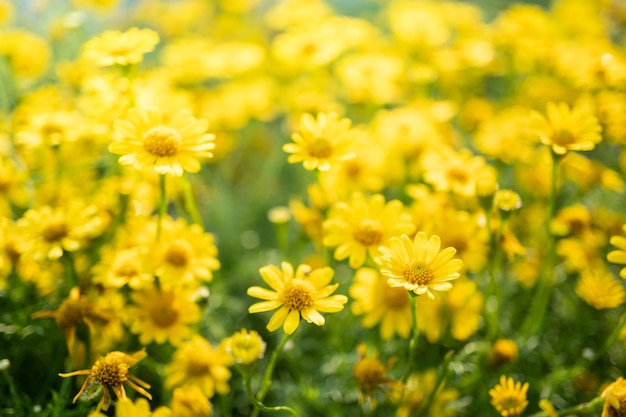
x=330 y=208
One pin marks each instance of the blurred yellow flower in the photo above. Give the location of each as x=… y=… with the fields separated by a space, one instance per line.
x=321 y=142
x=162 y=315
x=418 y=265
x=416 y=391
x=358 y=227
x=509 y=397
x=6 y=12
x=600 y=290
x=502 y=352
x=190 y=401
x=614 y=397
x=125 y=407
x=111 y=371
x=566 y=129
x=371 y=375
x=449 y=170
x=120 y=48
x=305 y=293
x=169 y=145
x=28 y=55
x=619 y=256
x=119 y=267
x=197 y=363
x=245 y=347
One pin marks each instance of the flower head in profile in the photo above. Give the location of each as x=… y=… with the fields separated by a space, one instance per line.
x=321 y=142
x=111 y=371
x=600 y=289
x=359 y=226
x=418 y=265
x=614 y=397
x=566 y=129
x=509 y=397
x=305 y=293
x=619 y=256
x=168 y=145
x=120 y=48
x=245 y=347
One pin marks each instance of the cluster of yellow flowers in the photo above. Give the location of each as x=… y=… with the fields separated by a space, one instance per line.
x=454 y=180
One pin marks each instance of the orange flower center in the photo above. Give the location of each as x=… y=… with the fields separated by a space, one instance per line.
x=162 y=141
x=369 y=372
x=563 y=137
x=110 y=371
x=71 y=313
x=298 y=296
x=394 y=297
x=418 y=273
x=368 y=233
x=177 y=254
x=127 y=269
x=320 y=148
x=55 y=230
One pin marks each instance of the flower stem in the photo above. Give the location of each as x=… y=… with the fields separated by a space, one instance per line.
x=267 y=376
x=414 y=338
x=592 y=406
x=259 y=406
x=189 y=200
x=162 y=205
x=611 y=339
x=441 y=377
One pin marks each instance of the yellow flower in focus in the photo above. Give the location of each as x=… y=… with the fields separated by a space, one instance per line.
x=162 y=315
x=509 y=397
x=416 y=391
x=614 y=397
x=566 y=129
x=245 y=347
x=379 y=303
x=371 y=375
x=111 y=371
x=418 y=265
x=321 y=142
x=140 y=408
x=197 y=363
x=305 y=293
x=619 y=256
x=600 y=290
x=168 y=145
x=358 y=227
x=120 y=48
x=190 y=401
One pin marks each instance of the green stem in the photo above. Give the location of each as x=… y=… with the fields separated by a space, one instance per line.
x=18 y=406
x=441 y=376
x=585 y=408
x=414 y=338
x=267 y=376
x=162 y=205
x=611 y=339
x=259 y=406
x=189 y=200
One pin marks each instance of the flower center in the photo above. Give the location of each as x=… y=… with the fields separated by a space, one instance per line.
x=110 y=371
x=162 y=141
x=368 y=233
x=71 y=313
x=394 y=297
x=177 y=254
x=563 y=137
x=54 y=231
x=369 y=372
x=418 y=273
x=320 y=148
x=298 y=295
x=511 y=403
x=164 y=316
x=458 y=175
x=198 y=367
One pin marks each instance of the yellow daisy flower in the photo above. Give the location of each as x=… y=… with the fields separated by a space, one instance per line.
x=379 y=303
x=162 y=315
x=509 y=397
x=600 y=290
x=357 y=228
x=566 y=129
x=146 y=138
x=120 y=48
x=305 y=293
x=418 y=265
x=619 y=256
x=111 y=371
x=321 y=142
x=197 y=363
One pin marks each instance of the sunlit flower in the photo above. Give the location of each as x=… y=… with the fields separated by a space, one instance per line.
x=614 y=397
x=381 y=304
x=371 y=375
x=190 y=401
x=172 y=145
x=321 y=142
x=245 y=347
x=418 y=265
x=305 y=293
x=600 y=290
x=509 y=397
x=358 y=227
x=566 y=129
x=197 y=363
x=619 y=256
x=162 y=315
x=111 y=371
x=120 y=48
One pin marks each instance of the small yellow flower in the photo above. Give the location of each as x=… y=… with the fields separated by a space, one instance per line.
x=619 y=256
x=111 y=371
x=418 y=265
x=246 y=347
x=600 y=290
x=614 y=397
x=371 y=374
x=190 y=401
x=509 y=397
x=507 y=200
x=120 y=48
x=305 y=293
x=566 y=129
x=321 y=142
x=146 y=138
x=503 y=351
